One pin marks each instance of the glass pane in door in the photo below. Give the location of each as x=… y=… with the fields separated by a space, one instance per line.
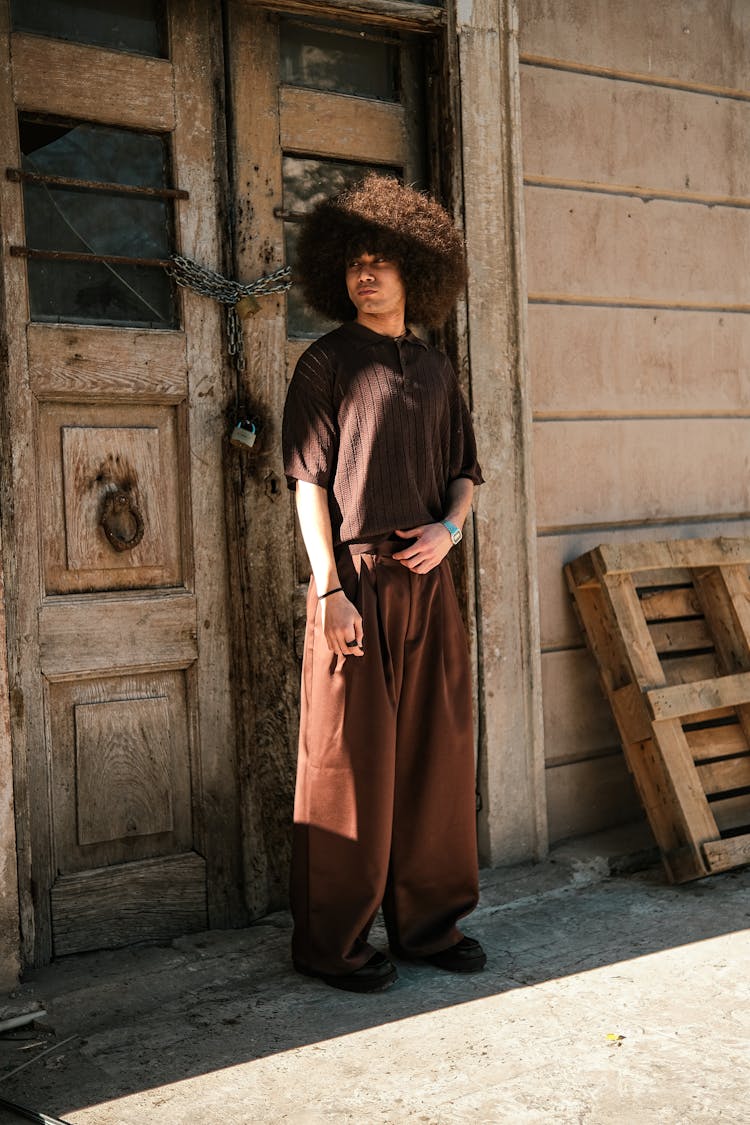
x=121 y=25
x=339 y=60
x=79 y=220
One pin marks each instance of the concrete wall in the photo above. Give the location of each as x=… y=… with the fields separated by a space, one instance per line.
x=636 y=163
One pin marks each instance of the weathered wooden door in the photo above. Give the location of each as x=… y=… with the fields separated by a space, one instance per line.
x=316 y=100
x=113 y=479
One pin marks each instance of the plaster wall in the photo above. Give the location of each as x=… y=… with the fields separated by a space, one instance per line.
x=635 y=123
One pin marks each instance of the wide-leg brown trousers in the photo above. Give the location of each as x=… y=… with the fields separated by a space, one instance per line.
x=384 y=807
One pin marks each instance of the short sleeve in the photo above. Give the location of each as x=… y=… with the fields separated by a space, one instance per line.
x=463 y=446
x=309 y=433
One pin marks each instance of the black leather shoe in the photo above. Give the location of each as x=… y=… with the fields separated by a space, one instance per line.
x=467 y=956
x=375 y=975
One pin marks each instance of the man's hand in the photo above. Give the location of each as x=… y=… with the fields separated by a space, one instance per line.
x=432 y=544
x=342 y=625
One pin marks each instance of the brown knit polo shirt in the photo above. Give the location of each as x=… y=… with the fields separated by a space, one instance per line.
x=382 y=425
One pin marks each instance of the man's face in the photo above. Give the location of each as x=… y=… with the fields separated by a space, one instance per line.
x=374 y=285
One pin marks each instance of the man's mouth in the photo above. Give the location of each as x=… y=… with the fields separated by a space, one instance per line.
x=365 y=292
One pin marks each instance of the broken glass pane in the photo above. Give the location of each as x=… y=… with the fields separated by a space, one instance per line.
x=85 y=221
x=94 y=152
x=339 y=61
x=122 y=25
x=96 y=293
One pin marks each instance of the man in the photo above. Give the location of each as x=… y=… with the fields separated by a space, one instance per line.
x=379 y=447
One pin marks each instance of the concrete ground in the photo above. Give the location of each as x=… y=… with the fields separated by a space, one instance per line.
x=609 y=999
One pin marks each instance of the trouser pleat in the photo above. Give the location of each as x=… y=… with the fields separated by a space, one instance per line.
x=384 y=805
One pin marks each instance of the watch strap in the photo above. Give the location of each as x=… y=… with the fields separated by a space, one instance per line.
x=454 y=532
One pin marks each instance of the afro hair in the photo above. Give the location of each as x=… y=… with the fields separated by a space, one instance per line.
x=379 y=215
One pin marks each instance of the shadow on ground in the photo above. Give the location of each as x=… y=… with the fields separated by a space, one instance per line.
x=148 y=1017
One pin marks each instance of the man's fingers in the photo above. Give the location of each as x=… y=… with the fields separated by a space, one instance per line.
x=353 y=645
x=345 y=648
x=347 y=640
x=419 y=564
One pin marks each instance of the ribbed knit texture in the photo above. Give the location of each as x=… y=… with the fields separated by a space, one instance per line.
x=382 y=425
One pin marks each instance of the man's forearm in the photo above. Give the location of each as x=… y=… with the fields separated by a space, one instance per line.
x=458 y=500
x=342 y=622
x=315 y=524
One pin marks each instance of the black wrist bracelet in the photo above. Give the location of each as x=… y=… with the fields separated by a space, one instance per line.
x=328 y=593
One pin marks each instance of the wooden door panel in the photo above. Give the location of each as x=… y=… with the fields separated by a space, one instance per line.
x=149 y=901
x=123 y=758
x=76 y=361
x=71 y=80
x=339 y=125
x=121 y=769
x=81 y=636
x=87 y=453
x=113 y=458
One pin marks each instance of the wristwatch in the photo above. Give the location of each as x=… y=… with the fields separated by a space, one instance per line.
x=455 y=532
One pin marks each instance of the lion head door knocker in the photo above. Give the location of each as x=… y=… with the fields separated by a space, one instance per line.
x=121 y=521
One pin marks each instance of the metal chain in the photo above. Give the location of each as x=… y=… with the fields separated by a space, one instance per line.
x=209 y=283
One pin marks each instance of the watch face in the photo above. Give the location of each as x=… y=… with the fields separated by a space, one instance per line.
x=456 y=536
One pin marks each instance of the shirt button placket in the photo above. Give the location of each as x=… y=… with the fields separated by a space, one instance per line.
x=401 y=350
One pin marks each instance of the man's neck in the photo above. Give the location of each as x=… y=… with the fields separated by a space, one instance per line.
x=386 y=325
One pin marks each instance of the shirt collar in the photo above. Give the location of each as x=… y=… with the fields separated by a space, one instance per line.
x=364 y=337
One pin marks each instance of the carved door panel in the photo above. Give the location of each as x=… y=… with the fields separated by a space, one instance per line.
x=124 y=743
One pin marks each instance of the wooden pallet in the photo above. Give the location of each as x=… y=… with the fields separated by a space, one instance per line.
x=669 y=626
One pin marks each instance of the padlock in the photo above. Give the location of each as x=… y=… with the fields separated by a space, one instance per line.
x=243 y=434
x=246 y=306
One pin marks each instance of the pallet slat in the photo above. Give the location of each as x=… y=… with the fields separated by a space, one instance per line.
x=689 y=553
x=680 y=636
x=721 y=855
x=665 y=605
x=721 y=777
x=700 y=823
x=732 y=812
x=669 y=626
x=724 y=595
x=716 y=742
x=662 y=576
x=687 y=700
x=687 y=669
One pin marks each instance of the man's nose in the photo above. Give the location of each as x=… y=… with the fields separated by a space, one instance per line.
x=366 y=272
